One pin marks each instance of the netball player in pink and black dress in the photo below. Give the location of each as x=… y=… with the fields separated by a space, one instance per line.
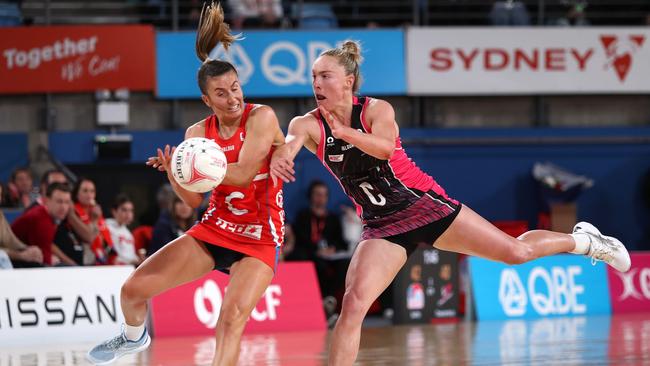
x=357 y=139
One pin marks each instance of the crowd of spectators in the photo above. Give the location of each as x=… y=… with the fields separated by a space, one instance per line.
x=269 y=14
x=62 y=224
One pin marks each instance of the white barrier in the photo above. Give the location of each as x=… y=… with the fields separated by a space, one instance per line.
x=55 y=305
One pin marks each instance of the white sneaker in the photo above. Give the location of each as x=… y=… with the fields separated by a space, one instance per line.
x=116 y=347
x=604 y=248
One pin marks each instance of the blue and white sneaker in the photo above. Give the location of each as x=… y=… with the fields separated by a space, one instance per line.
x=116 y=347
x=604 y=248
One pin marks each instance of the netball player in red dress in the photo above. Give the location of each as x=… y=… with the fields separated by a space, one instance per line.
x=357 y=139
x=241 y=231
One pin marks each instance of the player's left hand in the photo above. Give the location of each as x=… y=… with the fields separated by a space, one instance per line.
x=162 y=161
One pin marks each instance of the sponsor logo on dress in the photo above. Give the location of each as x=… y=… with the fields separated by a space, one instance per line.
x=335 y=158
x=247 y=230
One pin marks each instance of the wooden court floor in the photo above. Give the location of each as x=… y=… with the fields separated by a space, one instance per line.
x=616 y=340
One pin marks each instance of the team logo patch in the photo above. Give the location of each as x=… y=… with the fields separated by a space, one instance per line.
x=335 y=158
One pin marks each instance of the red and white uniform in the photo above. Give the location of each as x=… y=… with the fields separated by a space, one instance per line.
x=249 y=220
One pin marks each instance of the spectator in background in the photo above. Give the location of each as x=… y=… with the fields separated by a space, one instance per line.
x=123 y=241
x=256 y=13
x=90 y=213
x=318 y=232
x=5 y=201
x=21 y=187
x=20 y=254
x=50 y=176
x=38 y=225
x=72 y=233
x=289 y=242
x=179 y=219
x=143 y=234
x=575 y=15
x=319 y=235
x=509 y=13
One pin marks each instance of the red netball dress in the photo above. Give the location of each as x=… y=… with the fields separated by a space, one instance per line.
x=249 y=220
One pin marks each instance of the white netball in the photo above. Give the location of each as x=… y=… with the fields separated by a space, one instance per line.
x=198 y=164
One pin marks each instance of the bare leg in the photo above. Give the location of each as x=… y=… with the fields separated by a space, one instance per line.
x=249 y=278
x=471 y=234
x=180 y=261
x=373 y=266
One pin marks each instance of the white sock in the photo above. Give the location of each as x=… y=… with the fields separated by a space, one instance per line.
x=133 y=333
x=582 y=243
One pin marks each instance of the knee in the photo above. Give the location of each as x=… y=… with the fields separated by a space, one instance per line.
x=133 y=291
x=233 y=316
x=354 y=306
x=519 y=254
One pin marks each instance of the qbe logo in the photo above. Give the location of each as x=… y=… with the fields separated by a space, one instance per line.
x=283 y=63
x=549 y=293
x=210 y=294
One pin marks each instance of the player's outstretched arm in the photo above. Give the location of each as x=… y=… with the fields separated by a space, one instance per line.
x=299 y=135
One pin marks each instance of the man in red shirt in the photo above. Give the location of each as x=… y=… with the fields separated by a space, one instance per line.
x=37 y=226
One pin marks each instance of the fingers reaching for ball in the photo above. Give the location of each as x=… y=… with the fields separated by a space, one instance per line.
x=163 y=158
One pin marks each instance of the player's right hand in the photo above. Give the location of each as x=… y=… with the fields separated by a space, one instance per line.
x=162 y=161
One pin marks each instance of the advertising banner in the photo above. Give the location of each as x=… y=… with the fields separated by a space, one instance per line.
x=291 y=303
x=426 y=287
x=51 y=305
x=559 y=285
x=630 y=291
x=76 y=58
x=278 y=63
x=528 y=60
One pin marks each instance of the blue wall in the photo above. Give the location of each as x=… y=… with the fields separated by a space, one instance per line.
x=13 y=149
x=494 y=179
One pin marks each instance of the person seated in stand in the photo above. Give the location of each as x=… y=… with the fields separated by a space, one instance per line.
x=71 y=233
x=90 y=213
x=123 y=241
x=256 y=13
x=38 y=226
x=173 y=223
x=319 y=235
x=21 y=188
x=20 y=254
x=5 y=200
